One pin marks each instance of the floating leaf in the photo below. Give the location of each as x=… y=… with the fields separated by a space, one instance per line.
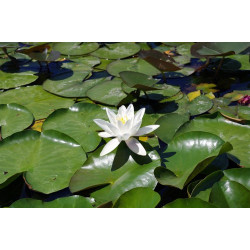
x=210 y=49
x=138 y=80
x=12 y=80
x=159 y=60
x=205 y=147
x=189 y=203
x=140 y=197
x=37 y=126
x=77 y=122
x=107 y=92
x=120 y=170
x=237 y=134
x=230 y=194
x=14 y=118
x=74 y=201
x=192 y=95
x=169 y=124
x=75 y=48
x=49 y=159
x=73 y=86
x=117 y=50
x=236 y=95
x=132 y=64
x=199 y=105
x=38 y=101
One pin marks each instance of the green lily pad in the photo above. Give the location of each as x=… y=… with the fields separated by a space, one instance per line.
x=132 y=64
x=237 y=134
x=14 y=118
x=38 y=101
x=243 y=60
x=189 y=203
x=117 y=50
x=162 y=91
x=237 y=113
x=75 y=48
x=49 y=159
x=77 y=67
x=210 y=49
x=77 y=122
x=186 y=71
x=204 y=148
x=134 y=171
x=73 y=86
x=74 y=201
x=13 y=80
x=230 y=194
x=107 y=92
x=184 y=49
x=169 y=124
x=198 y=106
x=103 y=65
x=203 y=189
x=236 y=95
x=138 y=80
x=140 y=197
x=88 y=60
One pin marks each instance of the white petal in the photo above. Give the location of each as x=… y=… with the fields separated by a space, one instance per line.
x=108 y=127
x=111 y=116
x=122 y=111
x=136 y=146
x=139 y=114
x=135 y=127
x=110 y=146
x=146 y=130
x=130 y=111
x=104 y=134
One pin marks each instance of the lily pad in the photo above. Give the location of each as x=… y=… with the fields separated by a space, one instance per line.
x=75 y=48
x=138 y=80
x=236 y=113
x=49 y=159
x=237 y=134
x=161 y=61
x=210 y=49
x=203 y=189
x=230 y=194
x=73 y=86
x=74 y=201
x=38 y=101
x=169 y=124
x=12 y=80
x=134 y=171
x=205 y=147
x=189 y=203
x=14 y=118
x=117 y=50
x=140 y=197
x=88 y=60
x=132 y=64
x=77 y=122
x=107 y=92
x=199 y=105
x=186 y=71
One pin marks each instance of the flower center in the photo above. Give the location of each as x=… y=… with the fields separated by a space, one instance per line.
x=123 y=119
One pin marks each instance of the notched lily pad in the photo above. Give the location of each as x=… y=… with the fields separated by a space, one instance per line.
x=48 y=159
x=14 y=118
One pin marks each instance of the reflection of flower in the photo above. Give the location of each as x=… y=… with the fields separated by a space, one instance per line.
x=123 y=126
x=245 y=100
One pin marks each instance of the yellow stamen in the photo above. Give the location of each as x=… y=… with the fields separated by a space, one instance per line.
x=123 y=119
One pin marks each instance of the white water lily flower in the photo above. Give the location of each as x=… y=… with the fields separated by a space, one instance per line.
x=123 y=127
